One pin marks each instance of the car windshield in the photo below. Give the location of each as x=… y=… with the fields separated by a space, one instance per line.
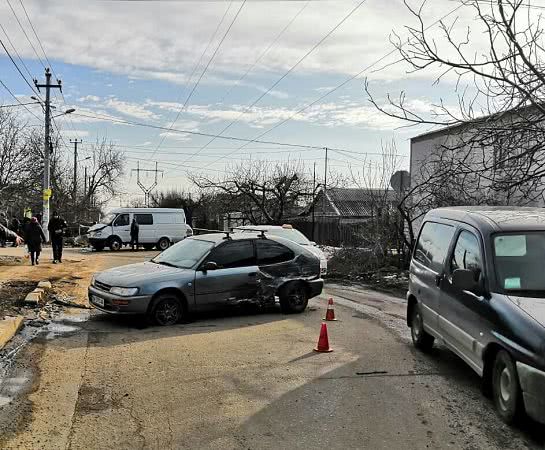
x=286 y=233
x=518 y=261
x=108 y=218
x=184 y=254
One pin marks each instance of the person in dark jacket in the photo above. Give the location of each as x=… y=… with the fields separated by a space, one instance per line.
x=34 y=237
x=135 y=229
x=56 y=228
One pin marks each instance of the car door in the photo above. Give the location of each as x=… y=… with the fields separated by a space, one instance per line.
x=463 y=314
x=235 y=278
x=122 y=227
x=427 y=268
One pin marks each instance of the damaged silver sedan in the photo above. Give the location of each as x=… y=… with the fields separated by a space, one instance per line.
x=211 y=271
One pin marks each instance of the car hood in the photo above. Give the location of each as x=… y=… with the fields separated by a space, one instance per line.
x=97 y=227
x=135 y=275
x=534 y=307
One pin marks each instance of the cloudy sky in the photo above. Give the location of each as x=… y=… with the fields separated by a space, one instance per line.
x=242 y=69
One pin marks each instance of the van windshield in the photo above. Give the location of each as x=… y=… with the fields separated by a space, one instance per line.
x=519 y=262
x=108 y=218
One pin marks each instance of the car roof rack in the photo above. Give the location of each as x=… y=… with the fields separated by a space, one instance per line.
x=205 y=230
x=255 y=230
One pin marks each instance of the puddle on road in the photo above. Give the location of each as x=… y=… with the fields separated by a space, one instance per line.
x=14 y=380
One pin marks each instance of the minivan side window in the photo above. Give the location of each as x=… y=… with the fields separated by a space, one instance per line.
x=122 y=220
x=144 y=219
x=433 y=244
x=467 y=254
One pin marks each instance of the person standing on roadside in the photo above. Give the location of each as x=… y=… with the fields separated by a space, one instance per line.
x=135 y=229
x=14 y=226
x=34 y=237
x=56 y=228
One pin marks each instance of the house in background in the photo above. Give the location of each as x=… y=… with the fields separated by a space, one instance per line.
x=338 y=215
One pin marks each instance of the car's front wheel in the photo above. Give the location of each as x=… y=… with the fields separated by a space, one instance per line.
x=506 y=388
x=115 y=244
x=167 y=310
x=293 y=298
x=421 y=339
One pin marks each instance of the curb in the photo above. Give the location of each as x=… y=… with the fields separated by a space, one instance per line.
x=8 y=328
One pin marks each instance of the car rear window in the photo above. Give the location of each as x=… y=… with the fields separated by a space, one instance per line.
x=433 y=245
x=270 y=252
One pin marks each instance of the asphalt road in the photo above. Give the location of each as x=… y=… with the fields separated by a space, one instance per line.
x=246 y=380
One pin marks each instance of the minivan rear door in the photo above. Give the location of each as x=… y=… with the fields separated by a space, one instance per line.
x=427 y=270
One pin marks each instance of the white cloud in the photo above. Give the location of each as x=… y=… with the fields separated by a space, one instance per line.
x=89 y=98
x=175 y=136
x=130 y=109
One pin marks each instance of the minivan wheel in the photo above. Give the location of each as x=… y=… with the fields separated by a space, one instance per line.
x=293 y=298
x=163 y=244
x=115 y=244
x=167 y=310
x=421 y=339
x=506 y=388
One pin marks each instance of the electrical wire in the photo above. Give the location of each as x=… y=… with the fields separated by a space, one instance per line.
x=25 y=33
x=206 y=68
x=291 y=69
x=17 y=100
x=17 y=67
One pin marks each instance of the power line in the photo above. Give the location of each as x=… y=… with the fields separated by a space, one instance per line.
x=16 y=52
x=291 y=69
x=207 y=65
x=336 y=88
x=17 y=67
x=25 y=33
x=17 y=100
x=190 y=77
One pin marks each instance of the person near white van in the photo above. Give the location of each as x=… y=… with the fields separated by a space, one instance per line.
x=158 y=227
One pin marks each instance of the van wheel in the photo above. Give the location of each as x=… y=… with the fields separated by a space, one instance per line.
x=163 y=243
x=506 y=388
x=293 y=298
x=421 y=339
x=115 y=244
x=167 y=310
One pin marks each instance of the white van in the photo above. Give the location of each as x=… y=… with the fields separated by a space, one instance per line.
x=158 y=227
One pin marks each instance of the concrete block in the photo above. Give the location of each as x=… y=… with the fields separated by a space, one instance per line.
x=34 y=297
x=44 y=285
x=8 y=328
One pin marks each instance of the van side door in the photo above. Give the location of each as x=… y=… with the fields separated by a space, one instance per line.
x=122 y=227
x=146 y=228
x=427 y=269
x=463 y=315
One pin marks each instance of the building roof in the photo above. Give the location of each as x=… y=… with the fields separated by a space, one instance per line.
x=490 y=219
x=350 y=202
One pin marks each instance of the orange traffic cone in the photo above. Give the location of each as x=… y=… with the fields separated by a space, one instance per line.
x=323 y=341
x=330 y=313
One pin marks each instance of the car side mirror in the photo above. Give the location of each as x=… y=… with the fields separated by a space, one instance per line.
x=464 y=279
x=209 y=265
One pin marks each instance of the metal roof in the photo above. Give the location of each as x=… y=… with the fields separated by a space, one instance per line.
x=349 y=202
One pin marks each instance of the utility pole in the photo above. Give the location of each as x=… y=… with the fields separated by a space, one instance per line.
x=146 y=190
x=75 y=185
x=46 y=194
x=313 y=199
x=325 y=184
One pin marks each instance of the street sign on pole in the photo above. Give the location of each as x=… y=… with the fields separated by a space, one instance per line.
x=400 y=181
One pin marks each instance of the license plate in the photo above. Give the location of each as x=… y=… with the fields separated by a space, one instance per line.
x=97 y=301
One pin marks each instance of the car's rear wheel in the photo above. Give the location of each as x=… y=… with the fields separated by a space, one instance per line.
x=115 y=244
x=167 y=310
x=421 y=339
x=293 y=298
x=163 y=243
x=506 y=388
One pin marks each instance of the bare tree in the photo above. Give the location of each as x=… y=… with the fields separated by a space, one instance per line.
x=494 y=151
x=264 y=192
